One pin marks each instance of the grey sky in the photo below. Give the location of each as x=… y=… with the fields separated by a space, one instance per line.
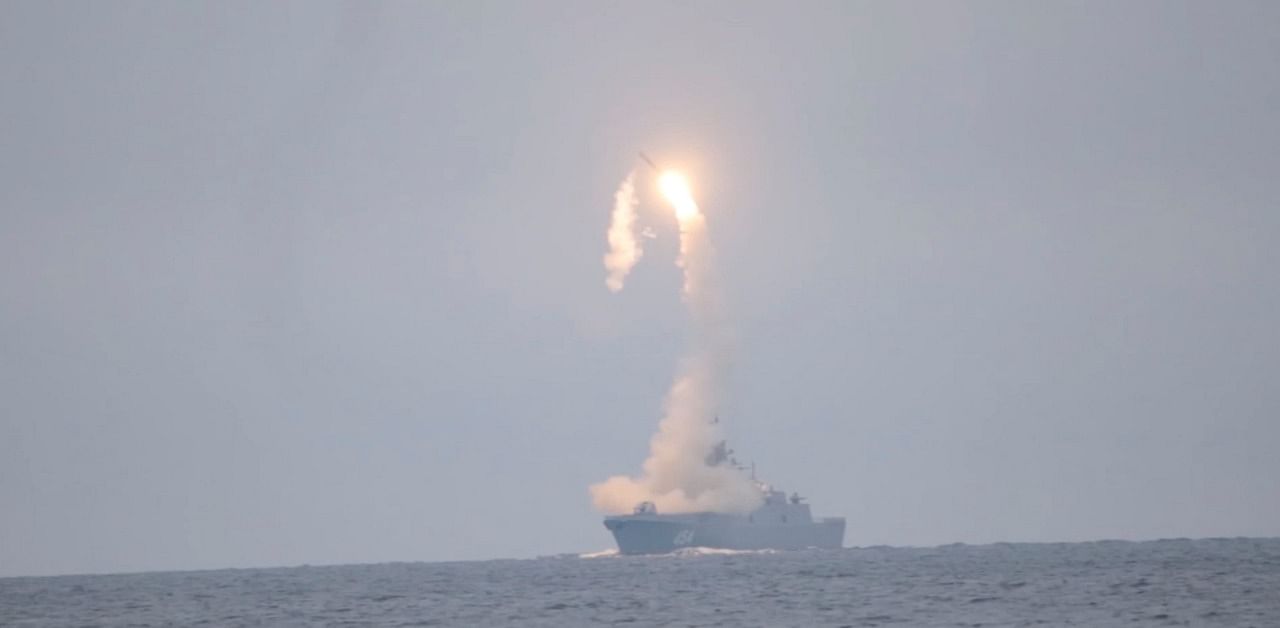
x=297 y=283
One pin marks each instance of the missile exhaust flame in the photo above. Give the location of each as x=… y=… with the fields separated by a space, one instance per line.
x=676 y=189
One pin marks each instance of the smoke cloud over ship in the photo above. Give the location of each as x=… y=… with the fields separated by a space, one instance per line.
x=688 y=468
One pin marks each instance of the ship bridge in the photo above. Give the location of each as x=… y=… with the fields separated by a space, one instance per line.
x=778 y=509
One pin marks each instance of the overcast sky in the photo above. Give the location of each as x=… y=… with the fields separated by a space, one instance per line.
x=299 y=283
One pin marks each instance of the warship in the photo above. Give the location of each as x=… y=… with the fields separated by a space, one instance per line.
x=780 y=523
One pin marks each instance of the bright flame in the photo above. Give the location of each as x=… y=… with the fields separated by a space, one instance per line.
x=676 y=189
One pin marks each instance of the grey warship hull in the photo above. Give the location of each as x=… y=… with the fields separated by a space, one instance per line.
x=775 y=525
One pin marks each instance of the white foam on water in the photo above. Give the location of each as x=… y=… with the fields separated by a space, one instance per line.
x=716 y=551
x=684 y=552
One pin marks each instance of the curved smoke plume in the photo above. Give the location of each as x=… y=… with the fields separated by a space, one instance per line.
x=624 y=248
x=687 y=469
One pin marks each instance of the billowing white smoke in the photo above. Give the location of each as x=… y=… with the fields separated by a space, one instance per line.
x=624 y=249
x=682 y=472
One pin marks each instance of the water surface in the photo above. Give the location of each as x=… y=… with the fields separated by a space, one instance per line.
x=1210 y=582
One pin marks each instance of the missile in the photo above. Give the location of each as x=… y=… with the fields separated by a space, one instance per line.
x=649 y=161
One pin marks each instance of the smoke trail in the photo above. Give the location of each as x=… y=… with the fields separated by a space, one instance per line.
x=688 y=469
x=624 y=249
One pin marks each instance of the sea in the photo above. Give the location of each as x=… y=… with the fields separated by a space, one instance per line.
x=1172 y=582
